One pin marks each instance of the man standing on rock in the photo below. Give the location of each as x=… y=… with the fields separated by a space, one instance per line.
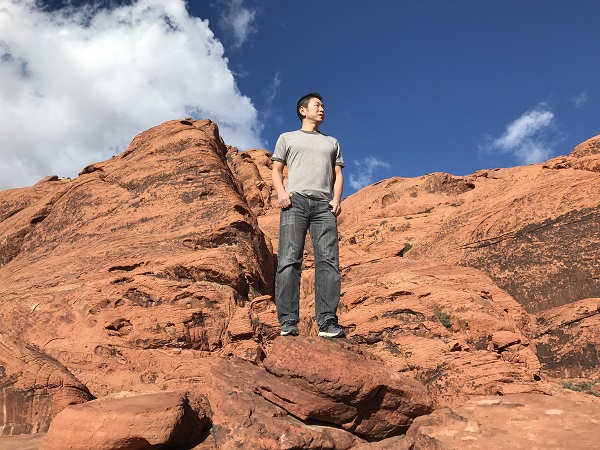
x=309 y=201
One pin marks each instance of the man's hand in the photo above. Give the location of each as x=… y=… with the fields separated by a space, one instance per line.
x=338 y=186
x=283 y=198
x=336 y=208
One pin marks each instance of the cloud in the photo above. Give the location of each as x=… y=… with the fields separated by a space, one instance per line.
x=527 y=138
x=270 y=94
x=272 y=89
x=237 y=20
x=366 y=170
x=579 y=100
x=77 y=84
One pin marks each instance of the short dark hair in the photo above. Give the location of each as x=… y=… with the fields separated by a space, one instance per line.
x=304 y=100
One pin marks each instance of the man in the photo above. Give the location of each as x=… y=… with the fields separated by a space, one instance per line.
x=309 y=201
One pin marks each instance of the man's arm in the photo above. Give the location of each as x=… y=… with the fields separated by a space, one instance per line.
x=283 y=197
x=338 y=187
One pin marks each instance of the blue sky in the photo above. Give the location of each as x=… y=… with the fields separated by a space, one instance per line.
x=410 y=87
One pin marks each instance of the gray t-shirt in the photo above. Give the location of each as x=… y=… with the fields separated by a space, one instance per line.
x=310 y=158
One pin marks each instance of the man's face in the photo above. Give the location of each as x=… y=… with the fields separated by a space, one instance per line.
x=314 y=111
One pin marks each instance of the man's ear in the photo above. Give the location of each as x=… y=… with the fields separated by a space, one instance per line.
x=303 y=114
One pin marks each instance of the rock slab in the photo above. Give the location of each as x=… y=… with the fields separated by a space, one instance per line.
x=143 y=421
x=243 y=419
x=340 y=383
x=519 y=421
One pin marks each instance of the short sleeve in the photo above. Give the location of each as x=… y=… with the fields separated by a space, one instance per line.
x=280 y=153
x=339 y=160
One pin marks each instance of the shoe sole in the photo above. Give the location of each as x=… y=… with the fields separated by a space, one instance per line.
x=289 y=333
x=325 y=334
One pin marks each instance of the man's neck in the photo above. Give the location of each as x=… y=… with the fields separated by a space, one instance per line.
x=310 y=126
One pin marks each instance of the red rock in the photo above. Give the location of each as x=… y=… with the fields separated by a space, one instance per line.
x=33 y=388
x=21 y=442
x=125 y=421
x=243 y=419
x=522 y=421
x=153 y=249
x=152 y=264
x=394 y=443
x=583 y=157
x=503 y=339
x=587 y=148
x=590 y=163
x=437 y=322
x=252 y=169
x=528 y=228
x=330 y=381
x=568 y=338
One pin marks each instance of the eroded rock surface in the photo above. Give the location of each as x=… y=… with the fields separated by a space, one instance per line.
x=528 y=228
x=519 y=421
x=587 y=148
x=153 y=249
x=33 y=388
x=568 y=339
x=449 y=326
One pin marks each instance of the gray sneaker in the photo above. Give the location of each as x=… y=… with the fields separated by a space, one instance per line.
x=331 y=329
x=289 y=329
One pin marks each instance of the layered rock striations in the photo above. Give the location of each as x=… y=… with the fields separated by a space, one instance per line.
x=152 y=273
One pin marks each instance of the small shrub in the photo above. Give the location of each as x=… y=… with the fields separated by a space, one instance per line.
x=584 y=386
x=444 y=318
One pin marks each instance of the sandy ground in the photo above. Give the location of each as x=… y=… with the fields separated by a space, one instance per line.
x=21 y=442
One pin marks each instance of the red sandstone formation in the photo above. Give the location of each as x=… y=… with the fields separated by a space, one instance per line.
x=153 y=272
x=151 y=420
x=34 y=388
x=312 y=378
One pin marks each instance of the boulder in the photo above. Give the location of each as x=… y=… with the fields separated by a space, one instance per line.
x=242 y=418
x=34 y=387
x=331 y=381
x=123 y=421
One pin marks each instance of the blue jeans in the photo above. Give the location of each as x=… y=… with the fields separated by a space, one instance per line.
x=314 y=215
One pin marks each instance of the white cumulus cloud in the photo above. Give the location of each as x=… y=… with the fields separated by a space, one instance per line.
x=366 y=170
x=76 y=85
x=526 y=138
